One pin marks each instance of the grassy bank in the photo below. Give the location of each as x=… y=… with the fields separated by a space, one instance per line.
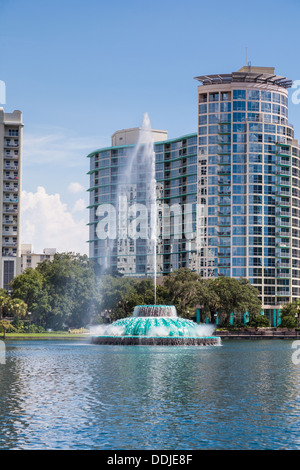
x=47 y=335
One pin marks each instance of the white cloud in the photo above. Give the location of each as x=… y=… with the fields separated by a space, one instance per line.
x=75 y=188
x=58 y=145
x=47 y=223
x=79 y=206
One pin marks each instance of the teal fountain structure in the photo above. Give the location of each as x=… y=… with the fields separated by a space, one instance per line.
x=155 y=325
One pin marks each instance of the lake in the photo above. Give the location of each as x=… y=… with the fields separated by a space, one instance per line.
x=70 y=394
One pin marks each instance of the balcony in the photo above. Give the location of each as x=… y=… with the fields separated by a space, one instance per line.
x=9 y=244
x=280 y=264
x=283 y=245
x=224 y=181
x=224 y=193
x=9 y=254
x=280 y=213
x=9 y=210
x=283 y=172
x=283 y=223
x=13 y=190
x=13 y=168
x=12 y=157
x=283 y=161
x=10 y=178
x=11 y=145
x=280 y=192
x=223 y=233
x=223 y=214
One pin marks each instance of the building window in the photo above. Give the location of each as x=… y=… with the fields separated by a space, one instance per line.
x=8 y=273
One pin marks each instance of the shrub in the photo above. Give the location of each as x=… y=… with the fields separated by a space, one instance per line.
x=260 y=321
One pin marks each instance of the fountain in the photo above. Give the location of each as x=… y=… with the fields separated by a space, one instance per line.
x=149 y=324
x=154 y=325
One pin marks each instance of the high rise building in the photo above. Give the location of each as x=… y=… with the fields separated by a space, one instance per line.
x=176 y=176
x=233 y=188
x=11 y=128
x=247 y=149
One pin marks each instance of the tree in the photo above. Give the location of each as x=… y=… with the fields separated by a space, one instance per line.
x=290 y=314
x=182 y=286
x=30 y=287
x=229 y=295
x=3 y=303
x=69 y=283
x=4 y=326
x=208 y=299
x=119 y=295
x=250 y=299
x=59 y=293
x=260 y=321
x=16 y=308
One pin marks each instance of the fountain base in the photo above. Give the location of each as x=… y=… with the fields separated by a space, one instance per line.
x=157 y=341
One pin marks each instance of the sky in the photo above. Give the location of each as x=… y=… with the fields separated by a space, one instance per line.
x=81 y=70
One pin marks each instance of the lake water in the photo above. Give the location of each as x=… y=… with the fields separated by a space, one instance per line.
x=75 y=395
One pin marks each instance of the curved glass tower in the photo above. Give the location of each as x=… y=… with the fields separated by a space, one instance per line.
x=249 y=199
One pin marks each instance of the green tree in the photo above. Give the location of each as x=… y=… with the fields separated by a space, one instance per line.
x=182 y=286
x=4 y=326
x=59 y=293
x=208 y=299
x=16 y=308
x=250 y=299
x=69 y=283
x=119 y=295
x=3 y=303
x=234 y=296
x=290 y=314
x=30 y=287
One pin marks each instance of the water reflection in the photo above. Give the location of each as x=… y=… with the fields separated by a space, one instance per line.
x=56 y=395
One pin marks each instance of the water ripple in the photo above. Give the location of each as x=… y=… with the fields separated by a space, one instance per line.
x=65 y=395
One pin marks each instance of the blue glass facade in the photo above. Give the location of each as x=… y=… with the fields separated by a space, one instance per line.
x=246 y=147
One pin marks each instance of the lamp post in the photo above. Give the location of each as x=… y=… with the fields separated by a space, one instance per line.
x=29 y=313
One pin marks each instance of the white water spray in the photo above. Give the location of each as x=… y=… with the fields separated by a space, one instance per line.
x=137 y=184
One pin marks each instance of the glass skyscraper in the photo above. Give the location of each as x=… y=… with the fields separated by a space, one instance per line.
x=229 y=194
x=246 y=149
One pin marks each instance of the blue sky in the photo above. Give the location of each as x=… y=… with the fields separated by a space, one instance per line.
x=80 y=70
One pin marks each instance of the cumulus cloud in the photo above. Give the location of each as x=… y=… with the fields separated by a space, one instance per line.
x=79 y=206
x=75 y=188
x=48 y=223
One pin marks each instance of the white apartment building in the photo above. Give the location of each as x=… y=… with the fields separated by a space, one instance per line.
x=11 y=129
x=29 y=259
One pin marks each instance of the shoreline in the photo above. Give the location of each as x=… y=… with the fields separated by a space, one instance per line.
x=52 y=335
x=259 y=333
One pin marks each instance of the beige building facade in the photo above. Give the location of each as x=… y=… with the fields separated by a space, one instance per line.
x=29 y=259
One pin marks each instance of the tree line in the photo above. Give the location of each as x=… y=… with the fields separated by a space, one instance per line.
x=66 y=293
